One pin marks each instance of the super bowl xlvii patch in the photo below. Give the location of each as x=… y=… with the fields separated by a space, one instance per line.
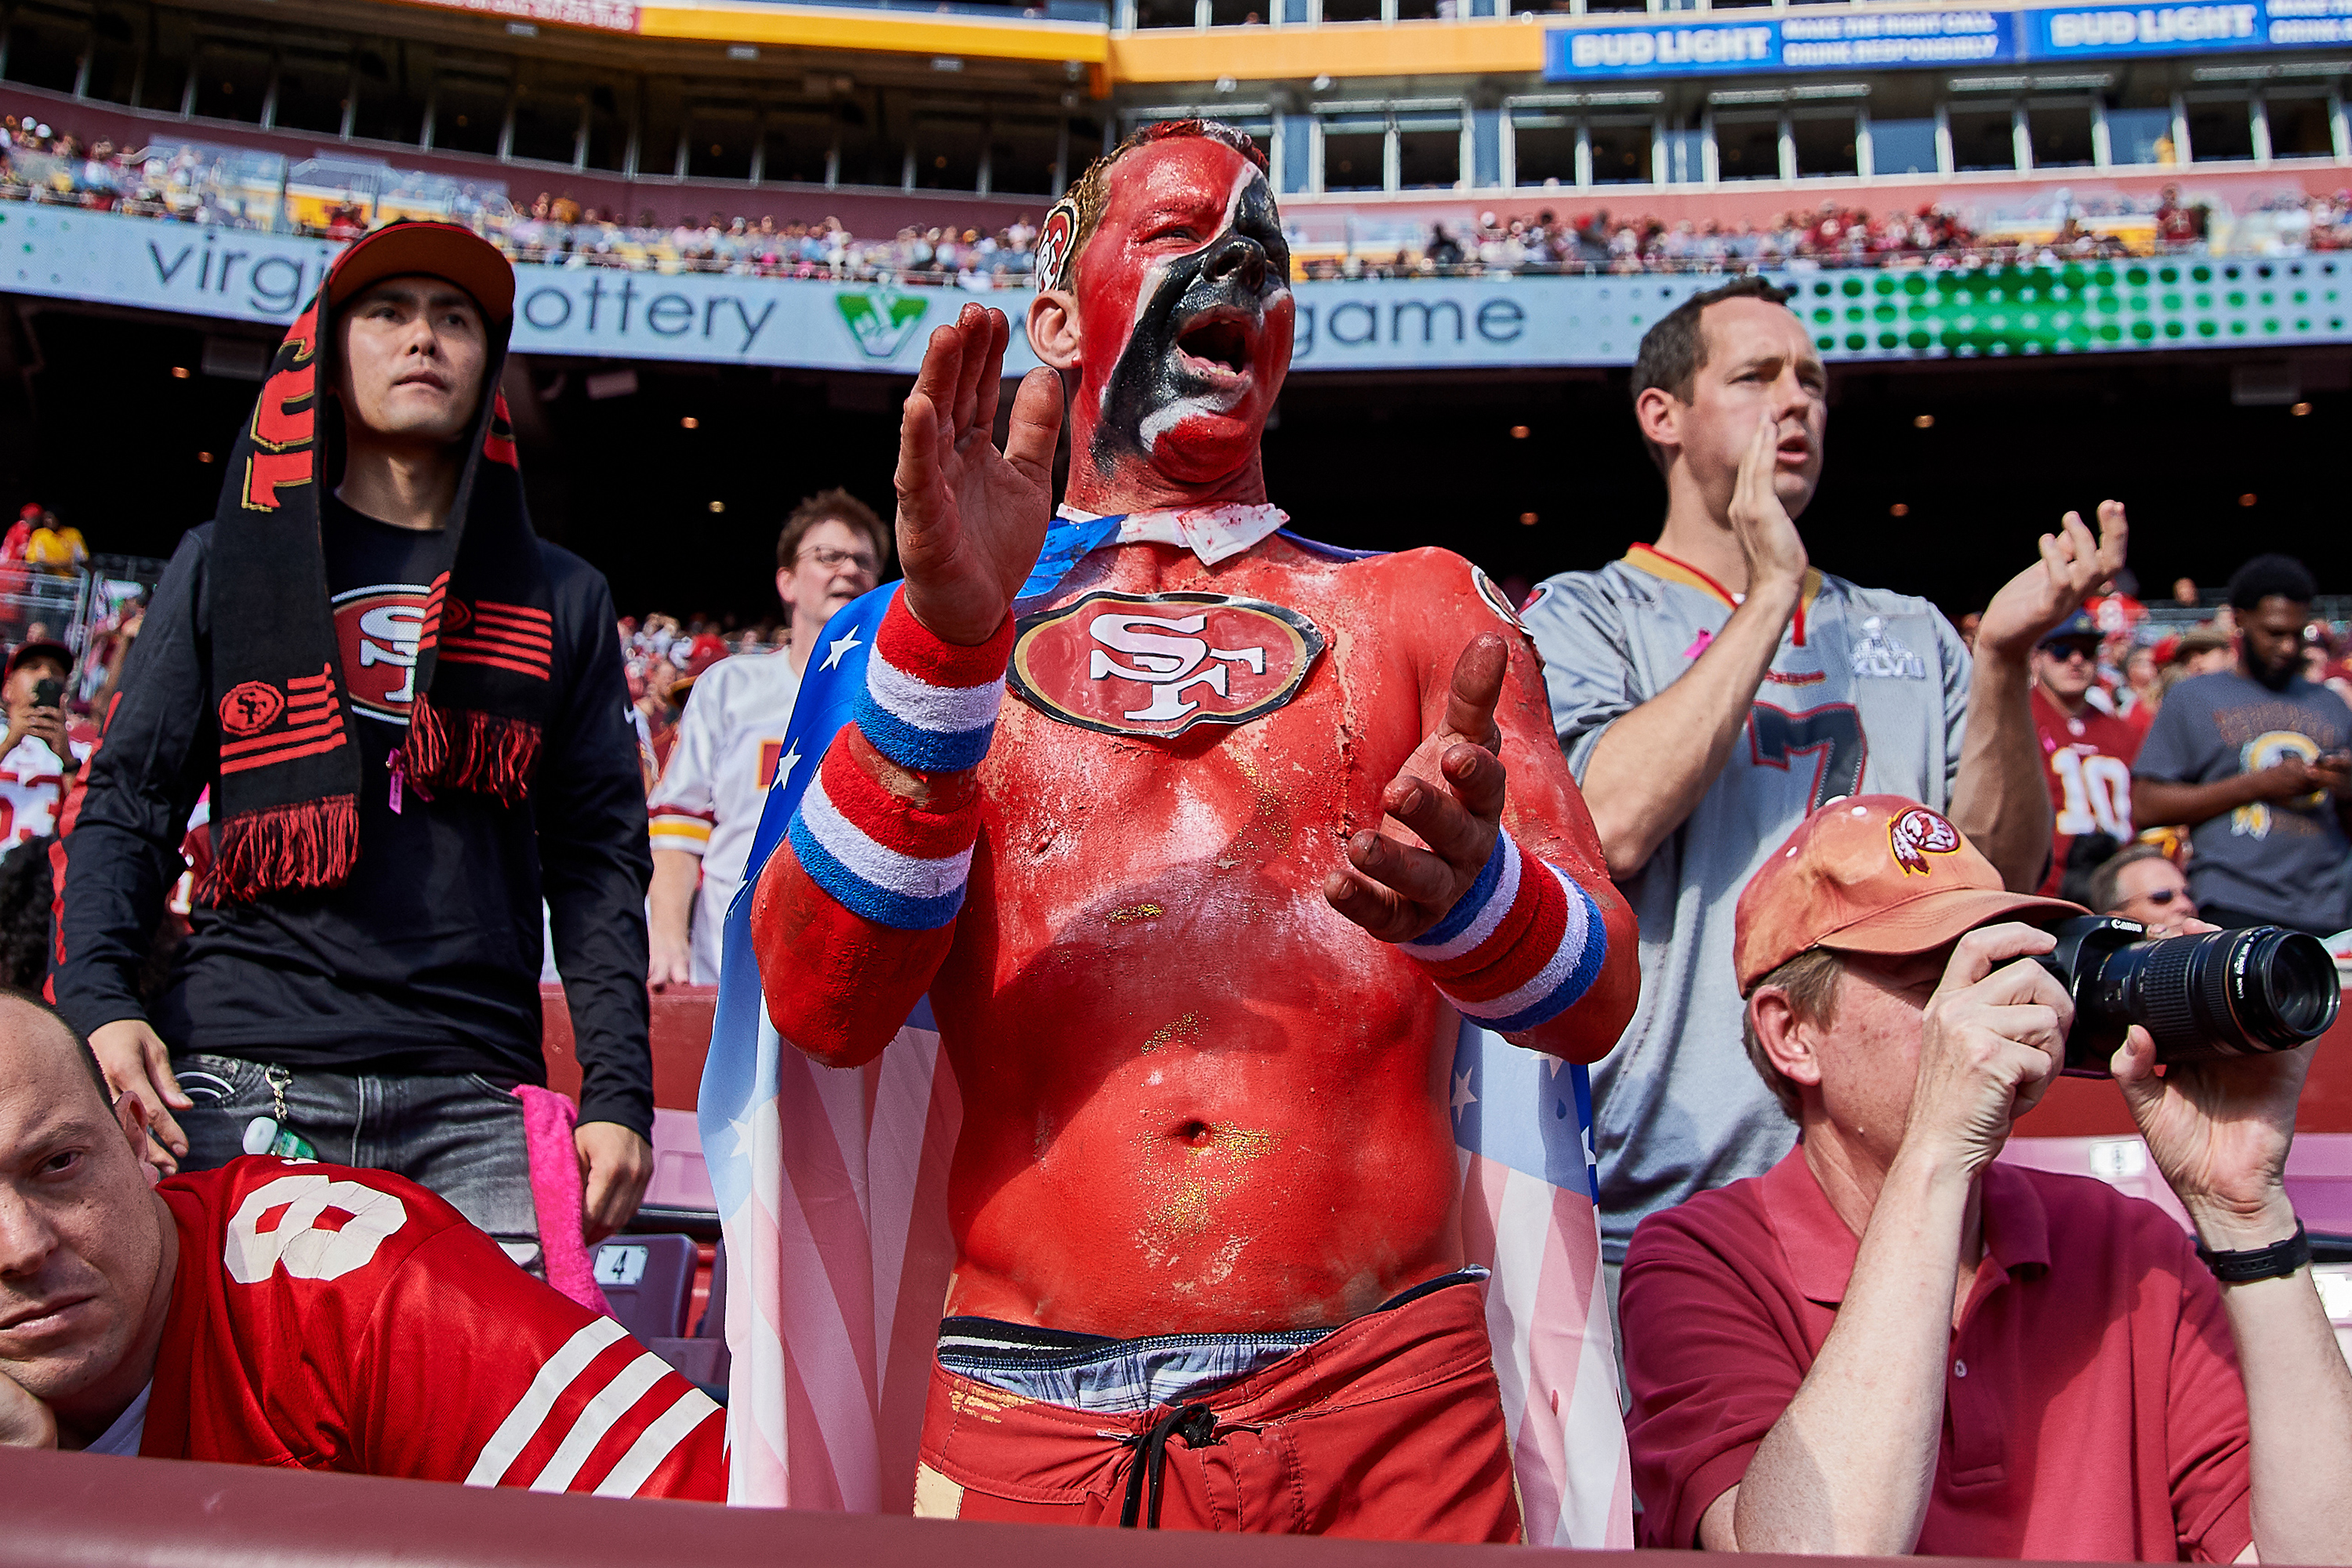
x=1881 y=655
x=1157 y=664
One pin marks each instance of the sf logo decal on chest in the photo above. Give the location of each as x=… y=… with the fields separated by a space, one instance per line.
x=1158 y=664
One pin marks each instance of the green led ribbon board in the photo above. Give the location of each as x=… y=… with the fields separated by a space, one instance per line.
x=2076 y=308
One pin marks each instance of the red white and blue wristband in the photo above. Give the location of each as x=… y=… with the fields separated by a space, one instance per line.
x=929 y=707
x=1518 y=950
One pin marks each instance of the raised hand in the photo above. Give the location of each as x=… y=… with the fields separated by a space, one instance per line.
x=1767 y=534
x=972 y=518
x=2072 y=567
x=1450 y=793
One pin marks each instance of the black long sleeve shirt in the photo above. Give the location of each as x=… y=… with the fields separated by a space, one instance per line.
x=427 y=959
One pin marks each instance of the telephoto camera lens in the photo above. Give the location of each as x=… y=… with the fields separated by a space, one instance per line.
x=2202 y=998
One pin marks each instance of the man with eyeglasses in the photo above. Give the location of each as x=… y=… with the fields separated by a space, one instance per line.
x=2088 y=754
x=730 y=741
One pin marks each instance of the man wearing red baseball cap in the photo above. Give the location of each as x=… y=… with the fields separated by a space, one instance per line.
x=410 y=713
x=1888 y=1343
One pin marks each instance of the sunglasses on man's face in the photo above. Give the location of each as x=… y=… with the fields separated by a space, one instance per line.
x=2068 y=652
x=2162 y=897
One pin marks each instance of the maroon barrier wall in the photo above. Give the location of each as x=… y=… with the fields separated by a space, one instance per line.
x=65 y=1511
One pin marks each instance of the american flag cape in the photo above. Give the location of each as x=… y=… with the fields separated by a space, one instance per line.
x=832 y=1187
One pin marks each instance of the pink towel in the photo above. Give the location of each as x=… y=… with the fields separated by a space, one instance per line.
x=558 y=1192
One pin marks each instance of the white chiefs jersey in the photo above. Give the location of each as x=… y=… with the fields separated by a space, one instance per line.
x=1866 y=694
x=731 y=746
x=32 y=783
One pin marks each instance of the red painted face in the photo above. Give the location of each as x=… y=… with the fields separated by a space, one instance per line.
x=1185 y=310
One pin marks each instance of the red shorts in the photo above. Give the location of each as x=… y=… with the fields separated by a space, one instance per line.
x=1389 y=1427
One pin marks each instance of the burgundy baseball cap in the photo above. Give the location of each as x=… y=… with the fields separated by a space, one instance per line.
x=437 y=249
x=1871 y=873
x=33 y=650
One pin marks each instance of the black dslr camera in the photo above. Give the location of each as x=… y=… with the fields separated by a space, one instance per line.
x=2205 y=997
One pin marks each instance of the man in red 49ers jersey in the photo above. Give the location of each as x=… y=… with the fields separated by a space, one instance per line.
x=285 y=1312
x=2089 y=752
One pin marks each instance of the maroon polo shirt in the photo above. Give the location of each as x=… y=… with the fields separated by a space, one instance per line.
x=2092 y=1404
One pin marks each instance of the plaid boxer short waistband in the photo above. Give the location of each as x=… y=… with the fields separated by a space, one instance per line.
x=1102 y=1376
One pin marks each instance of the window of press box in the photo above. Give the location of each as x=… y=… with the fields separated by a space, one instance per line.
x=547 y=119
x=2300 y=126
x=1747 y=145
x=608 y=123
x=1164 y=13
x=1621 y=150
x=718 y=141
x=1429 y=152
x=311 y=92
x=468 y=111
x=1902 y=147
x=1354 y=149
x=2220 y=127
x=1237 y=12
x=947 y=154
x=45 y=49
x=114 y=35
x=1022 y=156
x=391 y=92
x=1351 y=10
x=1826 y=142
x=2061 y=133
x=796 y=146
x=1984 y=139
x=232 y=81
x=1543 y=147
x=873 y=145
x=2139 y=129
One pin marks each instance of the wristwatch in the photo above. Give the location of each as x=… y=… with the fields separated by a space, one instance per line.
x=2276 y=1261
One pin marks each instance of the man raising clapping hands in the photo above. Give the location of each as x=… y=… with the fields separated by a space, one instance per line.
x=1195 y=912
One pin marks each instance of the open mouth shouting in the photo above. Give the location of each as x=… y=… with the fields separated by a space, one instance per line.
x=1218 y=345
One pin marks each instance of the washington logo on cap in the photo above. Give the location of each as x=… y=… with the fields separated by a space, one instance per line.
x=1913 y=835
x=1158 y=664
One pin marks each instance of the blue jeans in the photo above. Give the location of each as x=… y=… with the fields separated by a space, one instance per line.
x=461 y=1136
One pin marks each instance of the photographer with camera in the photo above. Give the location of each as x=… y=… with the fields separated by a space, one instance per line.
x=1888 y=1343
x=37 y=756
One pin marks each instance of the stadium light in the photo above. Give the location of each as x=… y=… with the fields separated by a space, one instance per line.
x=1518 y=432
x=2246 y=499
x=1900 y=509
x=717 y=506
x=2300 y=409
x=181 y=372
x=690 y=423
x=1923 y=422
x=1526 y=520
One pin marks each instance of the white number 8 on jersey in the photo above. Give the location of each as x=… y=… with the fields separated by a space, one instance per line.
x=307 y=1251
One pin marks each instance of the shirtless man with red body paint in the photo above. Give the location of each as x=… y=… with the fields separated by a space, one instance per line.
x=1245 y=838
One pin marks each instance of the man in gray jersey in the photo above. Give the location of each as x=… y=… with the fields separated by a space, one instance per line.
x=1713 y=689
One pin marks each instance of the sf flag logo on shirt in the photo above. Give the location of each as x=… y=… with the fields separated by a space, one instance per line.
x=1157 y=664
x=378 y=631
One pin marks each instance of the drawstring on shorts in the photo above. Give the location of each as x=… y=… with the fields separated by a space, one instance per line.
x=1197 y=1425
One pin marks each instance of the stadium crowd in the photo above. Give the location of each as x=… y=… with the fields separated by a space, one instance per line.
x=198 y=183
x=375 y=726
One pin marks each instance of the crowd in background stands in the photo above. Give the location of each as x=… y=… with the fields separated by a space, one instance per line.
x=195 y=183
x=662 y=654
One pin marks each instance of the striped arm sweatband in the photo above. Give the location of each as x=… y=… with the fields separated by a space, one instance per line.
x=929 y=707
x=1520 y=948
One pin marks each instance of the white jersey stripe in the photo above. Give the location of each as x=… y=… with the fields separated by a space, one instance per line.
x=588 y=1428
x=657 y=1443
x=558 y=1372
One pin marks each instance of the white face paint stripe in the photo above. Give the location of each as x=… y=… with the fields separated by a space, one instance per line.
x=612 y=1402
x=657 y=1443
x=558 y=1372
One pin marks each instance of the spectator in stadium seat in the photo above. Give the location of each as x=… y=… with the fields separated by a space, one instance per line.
x=731 y=739
x=410 y=715
x=37 y=757
x=1889 y=1343
x=2088 y=753
x=1712 y=689
x=284 y=1313
x=2256 y=762
x=2143 y=884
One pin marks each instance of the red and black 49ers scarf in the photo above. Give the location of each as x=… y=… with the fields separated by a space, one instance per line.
x=285 y=809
